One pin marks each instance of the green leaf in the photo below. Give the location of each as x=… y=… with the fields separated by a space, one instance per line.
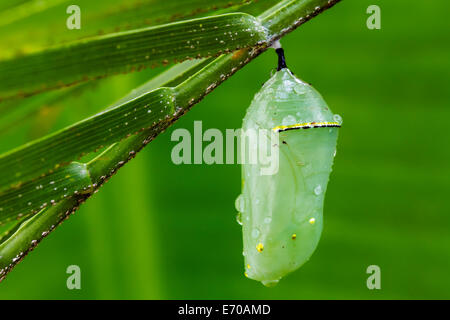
x=48 y=153
x=23 y=31
x=35 y=195
x=16 y=113
x=15 y=243
x=29 y=233
x=8 y=228
x=128 y=51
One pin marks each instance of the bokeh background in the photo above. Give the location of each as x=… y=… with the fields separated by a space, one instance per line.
x=161 y=231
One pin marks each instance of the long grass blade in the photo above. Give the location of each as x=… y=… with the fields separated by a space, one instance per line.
x=45 y=155
x=123 y=52
x=23 y=31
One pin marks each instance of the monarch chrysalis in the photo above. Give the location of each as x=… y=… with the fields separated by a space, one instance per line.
x=281 y=214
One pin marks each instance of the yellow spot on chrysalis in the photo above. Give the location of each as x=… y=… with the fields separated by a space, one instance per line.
x=260 y=247
x=294 y=236
x=312 y=221
x=248 y=266
x=245 y=274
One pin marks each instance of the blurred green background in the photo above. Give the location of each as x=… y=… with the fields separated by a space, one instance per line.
x=161 y=231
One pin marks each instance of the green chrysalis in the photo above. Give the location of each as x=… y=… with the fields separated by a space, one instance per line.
x=281 y=214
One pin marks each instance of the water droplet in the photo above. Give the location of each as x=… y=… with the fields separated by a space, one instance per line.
x=255 y=233
x=239 y=218
x=318 y=190
x=299 y=89
x=337 y=118
x=240 y=203
x=267 y=220
x=288 y=120
x=270 y=283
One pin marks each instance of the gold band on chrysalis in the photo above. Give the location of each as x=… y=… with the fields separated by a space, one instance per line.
x=307 y=125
